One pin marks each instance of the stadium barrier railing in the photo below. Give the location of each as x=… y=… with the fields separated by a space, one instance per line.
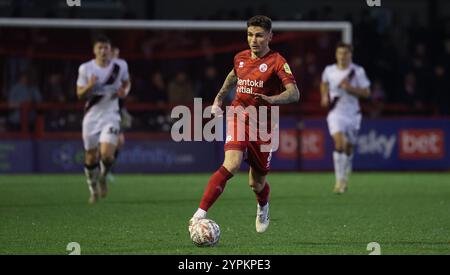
x=36 y=128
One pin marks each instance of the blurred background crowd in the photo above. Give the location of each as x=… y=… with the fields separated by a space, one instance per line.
x=409 y=65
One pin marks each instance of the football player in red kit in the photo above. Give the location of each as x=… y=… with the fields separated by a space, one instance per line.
x=262 y=78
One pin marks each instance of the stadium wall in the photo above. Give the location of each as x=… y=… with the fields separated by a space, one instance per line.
x=386 y=145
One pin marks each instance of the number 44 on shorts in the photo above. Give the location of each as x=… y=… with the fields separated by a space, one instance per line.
x=74 y=3
x=374 y=3
x=113 y=131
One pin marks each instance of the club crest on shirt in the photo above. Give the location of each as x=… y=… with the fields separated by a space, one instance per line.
x=287 y=69
x=263 y=68
x=241 y=65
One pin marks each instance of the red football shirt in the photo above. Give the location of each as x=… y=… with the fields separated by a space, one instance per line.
x=266 y=75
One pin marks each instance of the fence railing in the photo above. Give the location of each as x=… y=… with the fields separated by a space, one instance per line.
x=63 y=121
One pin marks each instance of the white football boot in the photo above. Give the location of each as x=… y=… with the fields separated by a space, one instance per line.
x=341 y=187
x=93 y=190
x=262 y=218
x=200 y=214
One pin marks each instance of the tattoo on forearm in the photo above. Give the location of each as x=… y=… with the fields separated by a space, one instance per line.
x=286 y=97
x=229 y=83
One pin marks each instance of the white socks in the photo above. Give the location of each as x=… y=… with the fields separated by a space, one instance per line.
x=340 y=161
x=348 y=167
x=104 y=168
x=343 y=165
x=92 y=174
x=201 y=214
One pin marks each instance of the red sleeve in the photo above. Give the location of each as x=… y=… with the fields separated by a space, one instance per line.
x=234 y=63
x=284 y=72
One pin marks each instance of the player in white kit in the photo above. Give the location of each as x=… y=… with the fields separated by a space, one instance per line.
x=342 y=85
x=125 y=117
x=101 y=81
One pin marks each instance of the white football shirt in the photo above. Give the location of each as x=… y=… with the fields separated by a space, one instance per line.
x=347 y=103
x=109 y=81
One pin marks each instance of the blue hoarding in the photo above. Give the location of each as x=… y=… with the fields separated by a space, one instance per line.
x=406 y=144
x=16 y=156
x=135 y=157
x=402 y=144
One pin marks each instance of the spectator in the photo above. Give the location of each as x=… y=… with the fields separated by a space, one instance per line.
x=446 y=56
x=377 y=99
x=209 y=85
x=3 y=117
x=441 y=90
x=180 y=89
x=297 y=68
x=411 y=94
x=311 y=74
x=208 y=49
x=24 y=92
x=421 y=68
x=157 y=92
x=54 y=91
x=152 y=91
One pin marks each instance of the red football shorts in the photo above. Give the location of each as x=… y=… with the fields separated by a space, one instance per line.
x=249 y=144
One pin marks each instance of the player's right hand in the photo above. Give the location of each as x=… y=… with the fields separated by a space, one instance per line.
x=92 y=81
x=217 y=111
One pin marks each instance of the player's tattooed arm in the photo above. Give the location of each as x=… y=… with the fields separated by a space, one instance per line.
x=290 y=95
x=228 y=84
x=82 y=91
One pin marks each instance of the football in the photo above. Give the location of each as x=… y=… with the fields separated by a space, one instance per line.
x=205 y=233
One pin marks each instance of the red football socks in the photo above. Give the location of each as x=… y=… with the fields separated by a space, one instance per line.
x=215 y=187
x=263 y=196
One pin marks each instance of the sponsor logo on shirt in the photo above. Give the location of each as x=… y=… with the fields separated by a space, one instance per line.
x=263 y=68
x=287 y=69
x=245 y=86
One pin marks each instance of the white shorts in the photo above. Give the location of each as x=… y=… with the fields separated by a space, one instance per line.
x=347 y=124
x=105 y=130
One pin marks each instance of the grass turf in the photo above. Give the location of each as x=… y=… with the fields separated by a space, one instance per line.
x=406 y=213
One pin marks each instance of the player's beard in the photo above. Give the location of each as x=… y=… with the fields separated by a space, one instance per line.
x=258 y=50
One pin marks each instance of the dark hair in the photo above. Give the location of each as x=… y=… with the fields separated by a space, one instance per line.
x=101 y=39
x=344 y=45
x=260 y=21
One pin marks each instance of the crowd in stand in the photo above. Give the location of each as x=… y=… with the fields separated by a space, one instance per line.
x=408 y=65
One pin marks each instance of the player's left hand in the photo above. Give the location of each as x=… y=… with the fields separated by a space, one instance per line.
x=122 y=92
x=265 y=98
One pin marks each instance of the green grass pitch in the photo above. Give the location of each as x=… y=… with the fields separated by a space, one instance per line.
x=406 y=213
